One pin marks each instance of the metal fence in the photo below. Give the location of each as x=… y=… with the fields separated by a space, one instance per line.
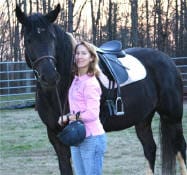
x=17 y=83
x=181 y=63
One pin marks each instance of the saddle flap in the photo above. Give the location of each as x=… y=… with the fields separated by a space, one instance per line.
x=116 y=69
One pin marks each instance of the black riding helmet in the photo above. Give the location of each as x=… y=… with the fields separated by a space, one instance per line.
x=73 y=134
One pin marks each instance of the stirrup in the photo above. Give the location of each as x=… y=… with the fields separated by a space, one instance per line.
x=119 y=107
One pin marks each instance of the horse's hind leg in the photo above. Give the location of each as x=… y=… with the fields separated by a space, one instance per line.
x=181 y=149
x=144 y=133
x=173 y=146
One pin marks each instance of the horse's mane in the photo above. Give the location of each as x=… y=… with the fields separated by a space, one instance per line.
x=64 y=46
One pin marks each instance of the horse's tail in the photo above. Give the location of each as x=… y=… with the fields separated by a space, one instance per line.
x=168 y=156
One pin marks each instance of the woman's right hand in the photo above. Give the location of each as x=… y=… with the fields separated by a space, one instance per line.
x=62 y=120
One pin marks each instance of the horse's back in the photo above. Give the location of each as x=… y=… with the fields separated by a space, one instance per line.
x=162 y=70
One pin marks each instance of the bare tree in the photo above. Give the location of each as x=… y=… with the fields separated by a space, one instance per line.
x=185 y=28
x=70 y=15
x=49 y=5
x=44 y=6
x=95 y=21
x=181 y=29
x=159 y=25
x=148 y=42
x=162 y=25
x=134 y=21
x=79 y=14
x=9 y=27
x=112 y=20
x=176 y=30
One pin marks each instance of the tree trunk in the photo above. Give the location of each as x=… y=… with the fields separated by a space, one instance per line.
x=159 y=26
x=176 y=31
x=44 y=6
x=49 y=5
x=95 y=22
x=79 y=16
x=70 y=16
x=134 y=20
x=185 y=28
x=110 y=20
x=181 y=30
x=148 y=42
x=30 y=2
x=9 y=28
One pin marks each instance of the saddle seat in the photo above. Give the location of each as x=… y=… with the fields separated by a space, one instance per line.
x=112 y=47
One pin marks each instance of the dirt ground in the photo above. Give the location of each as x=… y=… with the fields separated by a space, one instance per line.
x=25 y=149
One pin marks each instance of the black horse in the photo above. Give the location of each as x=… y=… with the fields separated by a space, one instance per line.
x=48 y=51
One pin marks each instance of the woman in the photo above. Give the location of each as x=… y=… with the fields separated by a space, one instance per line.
x=84 y=97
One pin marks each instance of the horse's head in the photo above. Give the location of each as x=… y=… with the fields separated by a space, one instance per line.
x=40 y=45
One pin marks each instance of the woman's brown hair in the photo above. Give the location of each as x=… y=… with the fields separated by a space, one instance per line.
x=93 y=67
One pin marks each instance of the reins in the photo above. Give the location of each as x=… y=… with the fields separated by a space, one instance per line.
x=62 y=112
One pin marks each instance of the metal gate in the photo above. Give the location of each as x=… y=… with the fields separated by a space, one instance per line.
x=17 y=83
x=181 y=63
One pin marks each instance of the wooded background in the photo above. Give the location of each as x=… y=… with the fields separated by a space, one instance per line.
x=160 y=24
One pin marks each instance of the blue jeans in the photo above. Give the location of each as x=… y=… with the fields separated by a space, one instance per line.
x=88 y=156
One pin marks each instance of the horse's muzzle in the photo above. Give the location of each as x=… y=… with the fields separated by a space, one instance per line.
x=49 y=81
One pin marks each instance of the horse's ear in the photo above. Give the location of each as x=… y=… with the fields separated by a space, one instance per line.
x=22 y=18
x=51 y=16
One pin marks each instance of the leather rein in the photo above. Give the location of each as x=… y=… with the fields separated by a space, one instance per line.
x=34 y=65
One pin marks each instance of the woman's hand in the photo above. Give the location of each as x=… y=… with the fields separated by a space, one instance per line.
x=63 y=120
x=66 y=118
x=72 y=117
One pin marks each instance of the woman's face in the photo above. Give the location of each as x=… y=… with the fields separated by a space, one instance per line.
x=82 y=57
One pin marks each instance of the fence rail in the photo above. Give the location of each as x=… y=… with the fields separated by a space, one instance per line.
x=17 y=85
x=17 y=82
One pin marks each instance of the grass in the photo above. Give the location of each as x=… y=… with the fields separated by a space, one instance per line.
x=8 y=102
x=25 y=149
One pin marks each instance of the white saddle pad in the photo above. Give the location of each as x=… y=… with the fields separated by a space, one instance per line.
x=135 y=69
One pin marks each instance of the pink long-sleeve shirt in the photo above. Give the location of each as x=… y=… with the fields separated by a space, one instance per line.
x=84 y=97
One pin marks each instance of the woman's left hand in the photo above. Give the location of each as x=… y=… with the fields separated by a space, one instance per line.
x=72 y=117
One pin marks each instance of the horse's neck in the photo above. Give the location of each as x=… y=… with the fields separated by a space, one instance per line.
x=73 y=40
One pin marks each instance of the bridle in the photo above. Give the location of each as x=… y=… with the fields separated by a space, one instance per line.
x=35 y=63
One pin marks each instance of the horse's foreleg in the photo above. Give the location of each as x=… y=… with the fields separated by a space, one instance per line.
x=62 y=152
x=145 y=135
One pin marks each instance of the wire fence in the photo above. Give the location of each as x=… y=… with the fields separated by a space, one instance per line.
x=181 y=63
x=17 y=83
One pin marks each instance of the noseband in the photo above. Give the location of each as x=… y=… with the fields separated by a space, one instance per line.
x=36 y=62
